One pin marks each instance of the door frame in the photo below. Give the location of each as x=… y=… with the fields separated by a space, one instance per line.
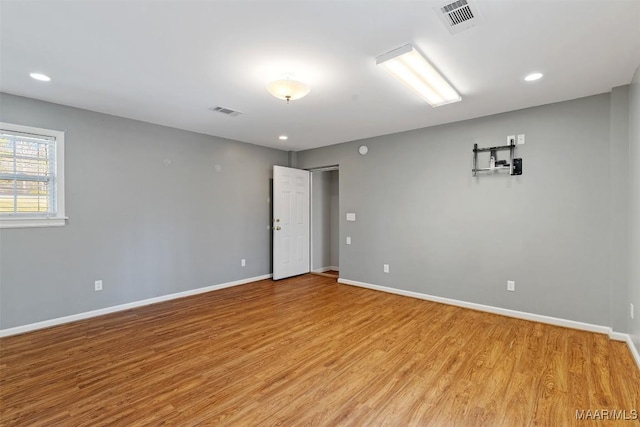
x=312 y=170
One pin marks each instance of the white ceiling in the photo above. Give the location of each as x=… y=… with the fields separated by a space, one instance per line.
x=168 y=62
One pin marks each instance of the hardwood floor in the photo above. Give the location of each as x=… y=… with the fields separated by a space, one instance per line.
x=309 y=351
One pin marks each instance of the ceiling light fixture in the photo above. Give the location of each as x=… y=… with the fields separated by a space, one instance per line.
x=40 y=76
x=283 y=137
x=288 y=89
x=533 y=77
x=411 y=68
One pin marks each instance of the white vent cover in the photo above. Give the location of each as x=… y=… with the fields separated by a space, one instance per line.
x=226 y=111
x=458 y=16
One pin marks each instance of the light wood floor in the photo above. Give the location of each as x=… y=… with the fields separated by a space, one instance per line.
x=309 y=351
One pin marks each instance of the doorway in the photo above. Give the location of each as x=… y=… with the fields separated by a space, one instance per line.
x=325 y=222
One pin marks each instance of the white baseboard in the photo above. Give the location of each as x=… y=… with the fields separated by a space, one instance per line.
x=100 y=312
x=480 y=307
x=632 y=348
x=618 y=336
x=325 y=269
x=321 y=270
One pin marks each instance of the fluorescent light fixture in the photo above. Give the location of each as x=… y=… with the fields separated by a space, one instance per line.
x=40 y=76
x=410 y=67
x=283 y=137
x=533 y=77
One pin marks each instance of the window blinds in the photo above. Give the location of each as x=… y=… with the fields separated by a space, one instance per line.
x=27 y=174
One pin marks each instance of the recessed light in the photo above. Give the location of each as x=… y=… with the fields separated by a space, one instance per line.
x=533 y=77
x=283 y=137
x=40 y=76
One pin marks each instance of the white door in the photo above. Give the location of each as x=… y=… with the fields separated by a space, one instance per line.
x=290 y=222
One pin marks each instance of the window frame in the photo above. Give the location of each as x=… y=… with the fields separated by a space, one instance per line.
x=23 y=220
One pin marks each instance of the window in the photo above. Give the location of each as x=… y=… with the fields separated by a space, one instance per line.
x=31 y=177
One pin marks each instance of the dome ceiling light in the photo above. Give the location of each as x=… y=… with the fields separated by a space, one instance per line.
x=288 y=89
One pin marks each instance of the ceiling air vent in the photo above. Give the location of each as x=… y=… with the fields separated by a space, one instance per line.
x=458 y=16
x=226 y=111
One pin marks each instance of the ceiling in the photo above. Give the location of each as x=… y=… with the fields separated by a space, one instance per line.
x=169 y=62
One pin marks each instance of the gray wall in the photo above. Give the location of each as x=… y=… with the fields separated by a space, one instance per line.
x=335 y=217
x=144 y=227
x=324 y=215
x=148 y=228
x=634 y=206
x=320 y=220
x=446 y=233
x=618 y=199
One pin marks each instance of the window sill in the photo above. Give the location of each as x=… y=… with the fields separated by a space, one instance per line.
x=32 y=222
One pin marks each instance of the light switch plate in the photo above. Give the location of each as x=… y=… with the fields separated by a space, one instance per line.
x=351 y=216
x=348 y=240
x=521 y=139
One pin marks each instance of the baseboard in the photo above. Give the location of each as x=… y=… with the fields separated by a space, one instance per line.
x=632 y=349
x=487 y=308
x=506 y=312
x=618 y=336
x=100 y=312
x=480 y=307
x=325 y=269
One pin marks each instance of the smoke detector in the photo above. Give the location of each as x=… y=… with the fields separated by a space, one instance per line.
x=458 y=16
x=226 y=111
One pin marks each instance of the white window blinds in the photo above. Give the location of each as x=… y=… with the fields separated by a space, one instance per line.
x=27 y=174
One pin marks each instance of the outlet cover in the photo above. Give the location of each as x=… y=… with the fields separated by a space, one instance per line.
x=631 y=313
x=511 y=138
x=511 y=285
x=351 y=216
x=98 y=285
x=243 y=262
x=348 y=240
x=385 y=268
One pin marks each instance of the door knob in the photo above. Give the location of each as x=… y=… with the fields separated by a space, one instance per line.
x=278 y=228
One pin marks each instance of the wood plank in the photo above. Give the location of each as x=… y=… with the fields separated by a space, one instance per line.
x=309 y=351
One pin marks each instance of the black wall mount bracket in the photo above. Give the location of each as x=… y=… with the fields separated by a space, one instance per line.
x=514 y=166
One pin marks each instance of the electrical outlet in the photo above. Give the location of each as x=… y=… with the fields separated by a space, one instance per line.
x=348 y=240
x=385 y=268
x=511 y=285
x=243 y=262
x=631 y=313
x=510 y=139
x=521 y=139
x=98 y=285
